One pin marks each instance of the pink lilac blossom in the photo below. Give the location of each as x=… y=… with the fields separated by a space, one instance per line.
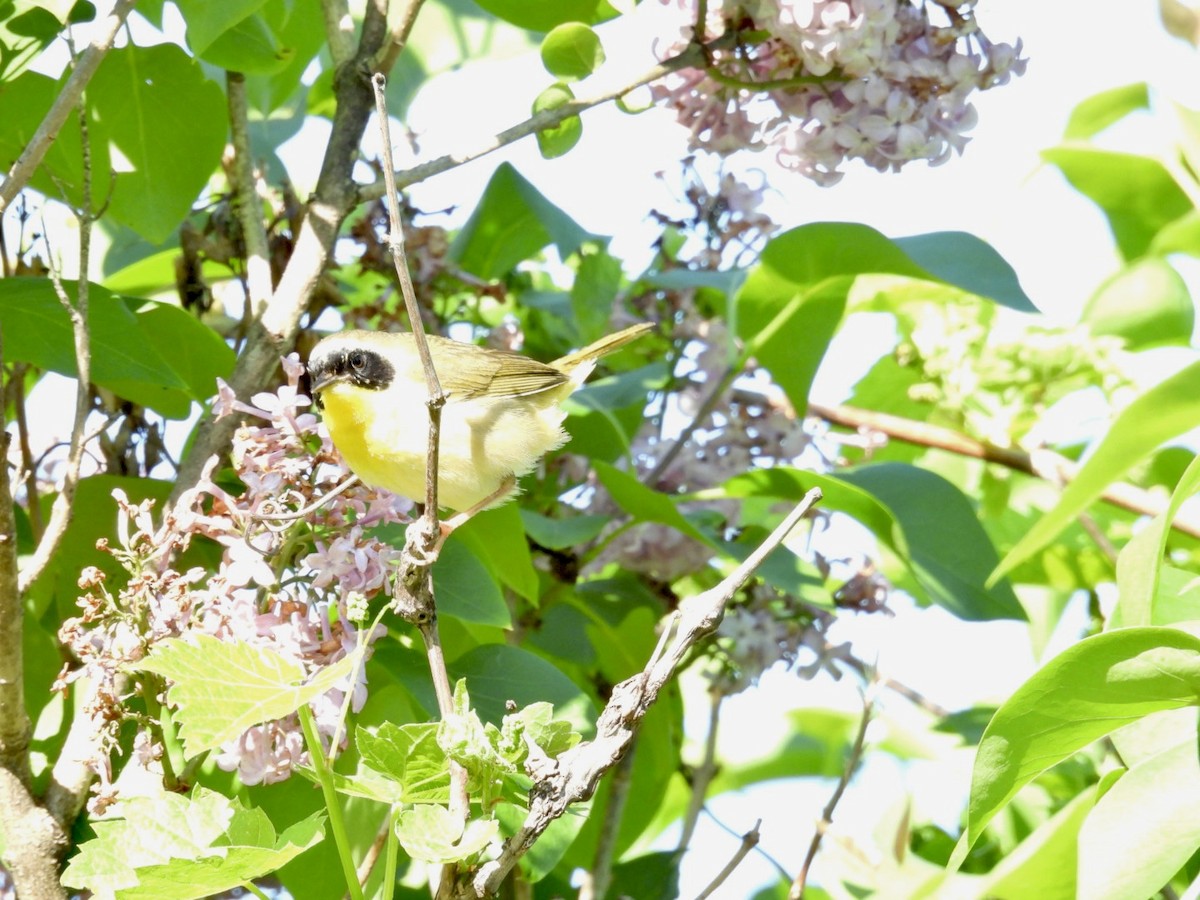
x=824 y=81
x=257 y=594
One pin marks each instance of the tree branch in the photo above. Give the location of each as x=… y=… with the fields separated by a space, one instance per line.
x=1043 y=464
x=574 y=774
x=546 y=119
x=856 y=750
x=249 y=206
x=749 y=842
x=77 y=312
x=85 y=67
x=335 y=196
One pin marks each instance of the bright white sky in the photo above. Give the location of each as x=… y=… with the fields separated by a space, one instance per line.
x=1058 y=244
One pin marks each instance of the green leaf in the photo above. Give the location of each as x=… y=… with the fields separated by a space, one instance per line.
x=787 y=328
x=963 y=260
x=410 y=756
x=431 y=834
x=1097 y=112
x=168 y=845
x=1084 y=693
x=543 y=15
x=512 y=223
x=465 y=588
x=572 y=51
x=557 y=140
x=815 y=744
x=498 y=673
x=198 y=354
x=221 y=688
x=1136 y=193
x=597 y=281
x=24 y=102
x=643 y=503
x=208 y=21
x=1179 y=236
x=124 y=358
x=497 y=539
x=1044 y=864
x=168 y=120
x=948 y=549
x=250 y=47
x=1147 y=304
x=1141 y=560
x=1165 y=411
x=604 y=415
x=562 y=533
x=1147 y=816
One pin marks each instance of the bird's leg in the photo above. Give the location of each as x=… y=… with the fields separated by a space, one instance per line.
x=425 y=545
x=459 y=519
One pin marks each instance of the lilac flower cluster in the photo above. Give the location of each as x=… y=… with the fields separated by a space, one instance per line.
x=824 y=81
x=266 y=590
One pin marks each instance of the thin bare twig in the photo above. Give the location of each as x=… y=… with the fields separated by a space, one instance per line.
x=77 y=312
x=574 y=774
x=749 y=842
x=421 y=548
x=1042 y=464
x=339 y=30
x=704 y=773
x=403 y=22
x=710 y=403
x=85 y=67
x=538 y=122
x=856 y=750
x=248 y=204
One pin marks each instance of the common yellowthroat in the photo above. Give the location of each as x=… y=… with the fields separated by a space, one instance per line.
x=503 y=411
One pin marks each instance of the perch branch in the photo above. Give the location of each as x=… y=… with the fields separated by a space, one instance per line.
x=573 y=776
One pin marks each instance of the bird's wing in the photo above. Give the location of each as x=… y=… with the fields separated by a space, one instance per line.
x=491 y=373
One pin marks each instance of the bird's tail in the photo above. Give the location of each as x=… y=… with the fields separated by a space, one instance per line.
x=607 y=344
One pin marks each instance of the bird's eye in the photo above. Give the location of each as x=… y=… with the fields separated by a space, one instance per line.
x=357 y=360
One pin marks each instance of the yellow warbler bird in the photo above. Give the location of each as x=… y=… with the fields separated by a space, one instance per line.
x=503 y=411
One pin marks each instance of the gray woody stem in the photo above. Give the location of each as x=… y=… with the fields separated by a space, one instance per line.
x=574 y=775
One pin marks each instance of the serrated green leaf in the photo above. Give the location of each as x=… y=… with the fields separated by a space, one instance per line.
x=572 y=51
x=431 y=834
x=1093 y=115
x=169 y=845
x=1147 y=304
x=1136 y=193
x=409 y=756
x=1084 y=693
x=168 y=120
x=1161 y=413
x=221 y=688
x=1147 y=816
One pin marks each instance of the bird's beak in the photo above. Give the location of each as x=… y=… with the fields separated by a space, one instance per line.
x=324 y=380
